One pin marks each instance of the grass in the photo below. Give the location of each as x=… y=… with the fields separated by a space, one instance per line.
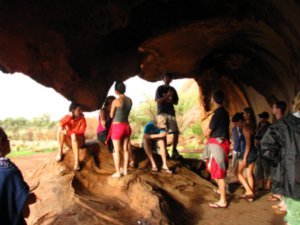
x=15 y=153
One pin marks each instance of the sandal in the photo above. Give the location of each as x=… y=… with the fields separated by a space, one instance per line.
x=273 y=198
x=249 y=197
x=216 y=205
x=167 y=170
x=154 y=169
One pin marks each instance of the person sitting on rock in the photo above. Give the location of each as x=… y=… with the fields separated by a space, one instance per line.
x=155 y=131
x=14 y=191
x=71 y=132
x=105 y=122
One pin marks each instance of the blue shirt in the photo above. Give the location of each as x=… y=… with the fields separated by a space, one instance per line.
x=150 y=128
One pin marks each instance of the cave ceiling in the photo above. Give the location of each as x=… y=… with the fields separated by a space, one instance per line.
x=80 y=48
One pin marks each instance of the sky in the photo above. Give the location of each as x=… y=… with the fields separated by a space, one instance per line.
x=21 y=96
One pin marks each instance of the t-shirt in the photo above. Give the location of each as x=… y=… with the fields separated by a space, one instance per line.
x=166 y=107
x=150 y=128
x=219 y=123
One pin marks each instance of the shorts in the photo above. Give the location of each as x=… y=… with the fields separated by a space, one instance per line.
x=102 y=137
x=262 y=169
x=252 y=156
x=120 y=131
x=171 y=124
x=217 y=171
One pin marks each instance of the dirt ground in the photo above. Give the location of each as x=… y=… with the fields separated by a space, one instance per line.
x=231 y=215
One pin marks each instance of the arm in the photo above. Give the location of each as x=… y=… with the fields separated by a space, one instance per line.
x=102 y=118
x=271 y=145
x=155 y=136
x=159 y=98
x=113 y=108
x=247 y=134
x=80 y=129
x=208 y=133
x=236 y=139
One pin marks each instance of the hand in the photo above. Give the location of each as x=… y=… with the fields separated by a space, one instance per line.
x=244 y=162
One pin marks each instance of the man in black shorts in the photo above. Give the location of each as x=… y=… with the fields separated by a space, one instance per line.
x=166 y=97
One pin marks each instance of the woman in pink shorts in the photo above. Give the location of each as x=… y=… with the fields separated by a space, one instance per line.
x=120 y=128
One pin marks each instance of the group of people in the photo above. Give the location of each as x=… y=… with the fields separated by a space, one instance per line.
x=114 y=128
x=272 y=151
x=265 y=157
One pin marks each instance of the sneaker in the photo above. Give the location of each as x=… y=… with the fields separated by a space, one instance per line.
x=176 y=156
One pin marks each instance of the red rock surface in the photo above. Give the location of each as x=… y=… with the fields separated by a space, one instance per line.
x=91 y=196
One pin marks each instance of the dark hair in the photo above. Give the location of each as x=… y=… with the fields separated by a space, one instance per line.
x=167 y=74
x=108 y=100
x=281 y=105
x=218 y=96
x=120 y=87
x=237 y=117
x=252 y=118
x=73 y=106
x=3 y=136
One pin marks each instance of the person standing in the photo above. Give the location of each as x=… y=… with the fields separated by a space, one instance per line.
x=166 y=97
x=71 y=132
x=278 y=110
x=217 y=147
x=105 y=123
x=120 y=128
x=262 y=168
x=281 y=146
x=248 y=156
x=238 y=143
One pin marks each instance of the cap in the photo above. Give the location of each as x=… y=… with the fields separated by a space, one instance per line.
x=264 y=115
x=161 y=121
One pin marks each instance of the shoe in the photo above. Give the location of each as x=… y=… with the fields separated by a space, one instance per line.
x=176 y=156
x=216 y=205
x=58 y=158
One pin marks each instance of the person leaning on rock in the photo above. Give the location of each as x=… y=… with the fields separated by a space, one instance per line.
x=166 y=97
x=155 y=135
x=71 y=132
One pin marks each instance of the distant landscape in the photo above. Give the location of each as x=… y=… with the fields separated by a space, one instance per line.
x=37 y=135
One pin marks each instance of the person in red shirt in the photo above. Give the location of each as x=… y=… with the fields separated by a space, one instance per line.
x=71 y=132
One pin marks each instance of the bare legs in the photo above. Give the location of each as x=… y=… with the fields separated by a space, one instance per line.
x=163 y=152
x=61 y=140
x=75 y=143
x=75 y=147
x=120 y=145
x=248 y=181
x=222 y=190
